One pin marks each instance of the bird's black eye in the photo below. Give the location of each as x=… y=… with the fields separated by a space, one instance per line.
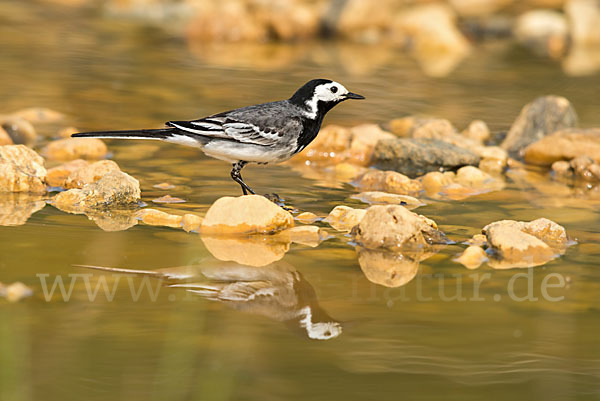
x=334 y=89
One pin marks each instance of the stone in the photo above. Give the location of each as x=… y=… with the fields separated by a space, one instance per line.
x=468 y=181
x=305 y=235
x=191 y=222
x=247 y=214
x=336 y=144
x=470 y=176
x=15 y=291
x=544 y=31
x=57 y=176
x=388 y=181
x=37 y=115
x=307 y=217
x=415 y=157
x=478 y=8
x=389 y=269
x=168 y=199
x=394 y=227
x=75 y=148
x=348 y=172
x=582 y=60
x=492 y=166
x=17 y=208
x=429 y=31
x=255 y=250
x=584 y=17
x=520 y=244
x=21 y=170
x=77 y=173
x=472 y=257
x=164 y=186
x=435 y=182
x=477 y=240
x=543 y=116
x=115 y=189
x=564 y=145
x=562 y=169
x=20 y=130
x=67 y=132
x=477 y=131
x=155 y=217
x=344 y=218
x=384 y=198
x=5 y=139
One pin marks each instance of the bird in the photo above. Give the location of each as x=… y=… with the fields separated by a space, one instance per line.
x=264 y=133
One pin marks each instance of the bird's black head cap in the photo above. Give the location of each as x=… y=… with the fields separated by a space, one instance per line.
x=307 y=91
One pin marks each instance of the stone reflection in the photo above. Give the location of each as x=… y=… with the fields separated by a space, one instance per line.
x=257 y=251
x=390 y=269
x=17 y=208
x=277 y=291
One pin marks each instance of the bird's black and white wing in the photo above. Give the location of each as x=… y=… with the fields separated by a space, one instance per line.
x=263 y=126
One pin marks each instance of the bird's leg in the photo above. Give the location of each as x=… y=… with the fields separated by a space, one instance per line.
x=237 y=177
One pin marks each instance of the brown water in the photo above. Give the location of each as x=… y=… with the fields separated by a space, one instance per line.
x=412 y=342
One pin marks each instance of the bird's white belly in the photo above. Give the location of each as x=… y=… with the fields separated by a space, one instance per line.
x=234 y=151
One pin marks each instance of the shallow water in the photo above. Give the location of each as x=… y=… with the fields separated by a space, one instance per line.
x=410 y=342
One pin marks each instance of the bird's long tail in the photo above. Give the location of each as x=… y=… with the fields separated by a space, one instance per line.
x=157 y=134
x=171 y=134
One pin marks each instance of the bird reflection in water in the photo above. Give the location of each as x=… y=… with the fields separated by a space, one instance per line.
x=277 y=291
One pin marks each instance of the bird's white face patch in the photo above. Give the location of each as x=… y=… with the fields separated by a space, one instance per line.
x=330 y=92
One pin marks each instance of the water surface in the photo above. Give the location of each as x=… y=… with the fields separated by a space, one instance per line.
x=416 y=341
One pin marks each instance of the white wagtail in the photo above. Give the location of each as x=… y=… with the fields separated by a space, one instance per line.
x=264 y=133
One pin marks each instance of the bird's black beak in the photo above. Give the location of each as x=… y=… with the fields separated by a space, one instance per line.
x=351 y=95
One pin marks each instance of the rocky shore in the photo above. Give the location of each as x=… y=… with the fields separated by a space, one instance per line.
x=394 y=169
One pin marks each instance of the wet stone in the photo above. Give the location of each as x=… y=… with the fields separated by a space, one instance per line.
x=415 y=157
x=245 y=215
x=21 y=170
x=388 y=181
x=564 y=145
x=472 y=257
x=75 y=148
x=344 y=218
x=191 y=222
x=114 y=189
x=521 y=244
x=384 y=198
x=77 y=173
x=537 y=119
x=20 y=130
x=394 y=227
x=155 y=217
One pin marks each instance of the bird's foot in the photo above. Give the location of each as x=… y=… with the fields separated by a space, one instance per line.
x=279 y=201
